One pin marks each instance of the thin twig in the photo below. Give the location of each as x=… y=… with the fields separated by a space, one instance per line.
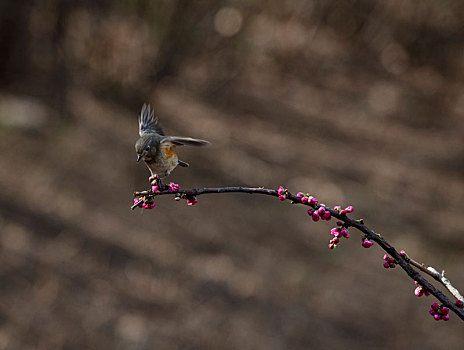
x=440 y=277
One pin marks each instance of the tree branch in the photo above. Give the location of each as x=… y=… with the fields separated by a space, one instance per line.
x=402 y=259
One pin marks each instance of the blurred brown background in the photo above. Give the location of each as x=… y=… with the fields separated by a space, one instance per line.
x=356 y=102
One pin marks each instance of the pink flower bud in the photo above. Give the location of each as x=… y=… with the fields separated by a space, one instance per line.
x=192 y=202
x=343 y=232
x=337 y=207
x=312 y=200
x=459 y=303
x=347 y=235
x=304 y=200
x=300 y=194
x=155 y=188
x=315 y=216
x=445 y=317
x=385 y=257
x=434 y=306
x=335 y=232
x=282 y=197
x=331 y=246
x=418 y=291
x=343 y=212
x=392 y=265
x=402 y=253
x=349 y=208
x=327 y=216
x=321 y=210
x=386 y=265
x=335 y=240
x=444 y=310
x=281 y=190
x=339 y=223
x=432 y=312
x=367 y=244
x=310 y=212
x=437 y=317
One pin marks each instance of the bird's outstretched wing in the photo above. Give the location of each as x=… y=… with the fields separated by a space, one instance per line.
x=148 y=123
x=181 y=141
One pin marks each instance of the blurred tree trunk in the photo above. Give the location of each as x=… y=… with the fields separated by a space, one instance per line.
x=14 y=40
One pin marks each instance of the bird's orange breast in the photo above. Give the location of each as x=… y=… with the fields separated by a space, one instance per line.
x=168 y=152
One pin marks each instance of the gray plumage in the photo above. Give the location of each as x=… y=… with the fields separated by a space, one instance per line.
x=184 y=141
x=148 y=123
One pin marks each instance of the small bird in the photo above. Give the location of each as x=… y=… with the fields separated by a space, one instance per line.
x=156 y=149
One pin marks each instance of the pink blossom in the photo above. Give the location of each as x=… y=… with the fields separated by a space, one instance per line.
x=327 y=216
x=312 y=200
x=282 y=197
x=304 y=200
x=335 y=232
x=300 y=194
x=155 y=188
x=419 y=291
x=281 y=190
x=190 y=202
x=435 y=306
x=349 y=208
x=445 y=317
x=148 y=205
x=367 y=244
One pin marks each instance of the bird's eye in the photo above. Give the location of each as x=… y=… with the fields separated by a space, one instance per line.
x=147 y=149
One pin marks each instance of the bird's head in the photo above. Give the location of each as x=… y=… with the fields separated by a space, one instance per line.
x=145 y=148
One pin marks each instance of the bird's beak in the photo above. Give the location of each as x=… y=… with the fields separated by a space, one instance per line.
x=138 y=158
